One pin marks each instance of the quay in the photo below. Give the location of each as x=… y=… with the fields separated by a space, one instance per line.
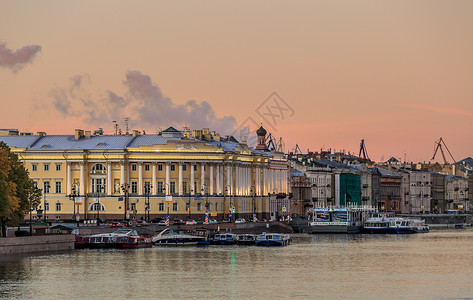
x=35 y=244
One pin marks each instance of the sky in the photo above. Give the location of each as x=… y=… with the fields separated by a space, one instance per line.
x=319 y=74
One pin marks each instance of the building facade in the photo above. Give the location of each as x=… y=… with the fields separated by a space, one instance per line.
x=146 y=176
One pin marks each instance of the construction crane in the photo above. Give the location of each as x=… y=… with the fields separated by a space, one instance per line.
x=297 y=150
x=270 y=142
x=281 y=145
x=438 y=145
x=363 y=150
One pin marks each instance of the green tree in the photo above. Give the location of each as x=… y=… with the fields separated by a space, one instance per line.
x=18 y=193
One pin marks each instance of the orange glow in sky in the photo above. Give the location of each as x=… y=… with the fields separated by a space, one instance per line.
x=394 y=73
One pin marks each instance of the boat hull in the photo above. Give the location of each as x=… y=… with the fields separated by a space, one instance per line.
x=334 y=229
x=178 y=242
x=272 y=243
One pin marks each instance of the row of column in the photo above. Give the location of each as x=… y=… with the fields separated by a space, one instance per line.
x=241 y=179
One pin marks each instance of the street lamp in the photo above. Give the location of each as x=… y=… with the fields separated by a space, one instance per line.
x=165 y=193
x=189 y=203
x=277 y=203
x=227 y=190
x=98 y=206
x=253 y=194
x=148 y=188
x=125 y=188
x=46 y=190
x=72 y=197
x=207 y=204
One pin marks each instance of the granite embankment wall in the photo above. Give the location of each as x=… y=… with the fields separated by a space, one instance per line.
x=31 y=244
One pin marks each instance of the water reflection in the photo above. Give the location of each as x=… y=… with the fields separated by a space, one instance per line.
x=434 y=265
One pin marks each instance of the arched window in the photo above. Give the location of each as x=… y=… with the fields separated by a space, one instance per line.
x=96 y=207
x=98 y=169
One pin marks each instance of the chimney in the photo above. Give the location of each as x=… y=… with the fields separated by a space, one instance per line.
x=136 y=132
x=79 y=134
x=87 y=134
x=41 y=133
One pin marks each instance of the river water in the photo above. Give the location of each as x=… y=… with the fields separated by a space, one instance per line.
x=435 y=265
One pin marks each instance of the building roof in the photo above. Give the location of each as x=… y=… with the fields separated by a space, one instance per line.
x=108 y=142
x=19 y=141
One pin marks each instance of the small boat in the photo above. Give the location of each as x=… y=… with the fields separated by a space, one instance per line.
x=246 y=239
x=122 y=238
x=224 y=239
x=419 y=224
x=167 y=238
x=376 y=225
x=134 y=242
x=401 y=225
x=273 y=239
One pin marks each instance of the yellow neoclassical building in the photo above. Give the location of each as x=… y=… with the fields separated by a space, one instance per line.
x=181 y=174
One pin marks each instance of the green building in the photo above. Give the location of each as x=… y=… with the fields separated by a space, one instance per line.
x=347 y=189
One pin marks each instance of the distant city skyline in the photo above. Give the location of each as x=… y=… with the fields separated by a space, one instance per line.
x=396 y=74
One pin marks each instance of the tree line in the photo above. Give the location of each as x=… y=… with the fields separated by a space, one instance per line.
x=18 y=193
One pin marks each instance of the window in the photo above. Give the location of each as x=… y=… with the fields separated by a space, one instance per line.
x=46 y=167
x=96 y=206
x=172 y=187
x=147 y=188
x=160 y=167
x=58 y=167
x=199 y=206
x=34 y=167
x=133 y=206
x=133 y=167
x=195 y=167
x=147 y=167
x=195 y=187
x=58 y=187
x=160 y=187
x=174 y=206
x=222 y=207
x=46 y=206
x=58 y=206
x=173 y=167
x=98 y=169
x=184 y=167
x=161 y=206
x=46 y=187
x=134 y=187
x=184 y=187
x=216 y=206
x=98 y=185
x=35 y=184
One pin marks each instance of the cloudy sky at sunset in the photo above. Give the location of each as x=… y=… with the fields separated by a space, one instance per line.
x=395 y=73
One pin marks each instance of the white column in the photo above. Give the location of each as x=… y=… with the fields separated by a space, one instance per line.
x=69 y=179
x=229 y=179
x=191 y=186
x=237 y=180
x=222 y=187
x=122 y=173
x=217 y=179
x=232 y=184
x=109 y=190
x=249 y=181
x=82 y=178
x=211 y=178
x=258 y=181
x=168 y=182
x=180 y=179
x=154 y=184
x=202 y=179
x=140 y=178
